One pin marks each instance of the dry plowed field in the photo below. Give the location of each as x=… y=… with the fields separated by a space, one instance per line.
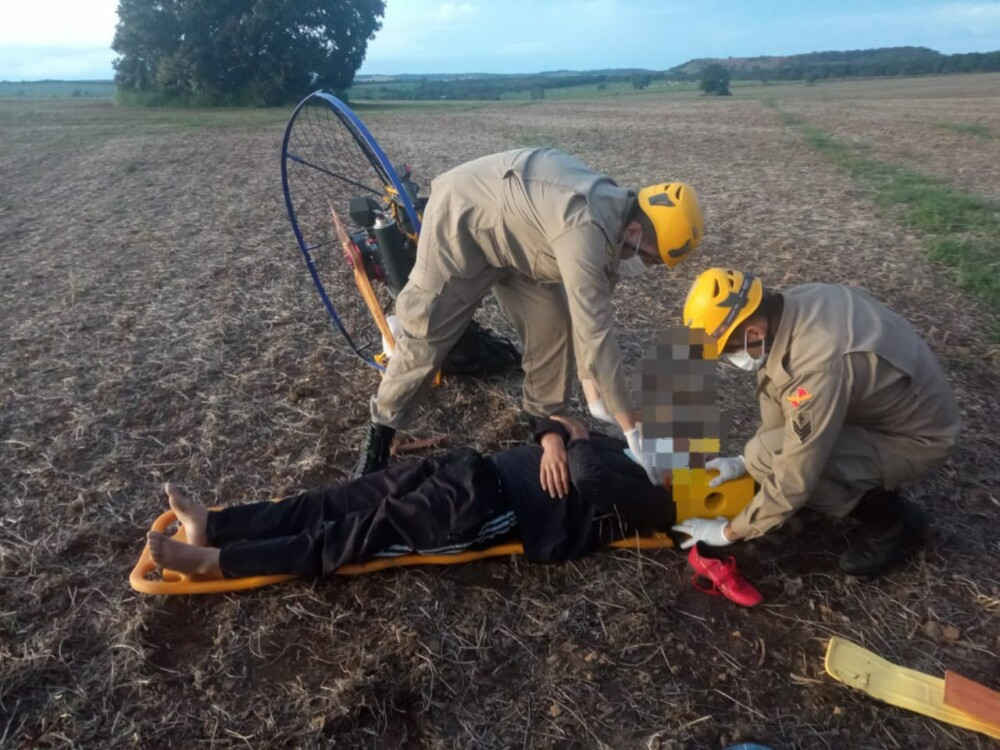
x=158 y=323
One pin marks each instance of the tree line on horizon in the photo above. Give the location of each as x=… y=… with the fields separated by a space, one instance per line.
x=266 y=53
x=713 y=75
x=882 y=61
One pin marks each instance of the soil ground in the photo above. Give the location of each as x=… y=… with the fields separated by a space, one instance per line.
x=158 y=324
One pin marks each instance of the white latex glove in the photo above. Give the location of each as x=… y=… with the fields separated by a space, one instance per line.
x=705 y=530
x=599 y=411
x=634 y=440
x=728 y=468
x=396 y=328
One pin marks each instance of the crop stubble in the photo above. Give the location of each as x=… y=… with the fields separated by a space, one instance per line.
x=158 y=324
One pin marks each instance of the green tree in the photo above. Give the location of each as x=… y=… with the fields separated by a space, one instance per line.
x=263 y=52
x=715 y=80
x=640 y=80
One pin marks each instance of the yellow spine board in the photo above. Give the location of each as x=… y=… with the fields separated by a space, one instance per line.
x=915 y=691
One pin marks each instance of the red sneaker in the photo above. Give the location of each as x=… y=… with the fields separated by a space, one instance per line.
x=722 y=574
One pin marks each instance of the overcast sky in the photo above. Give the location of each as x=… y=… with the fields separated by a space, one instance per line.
x=71 y=39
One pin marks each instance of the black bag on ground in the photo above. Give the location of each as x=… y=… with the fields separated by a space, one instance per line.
x=481 y=352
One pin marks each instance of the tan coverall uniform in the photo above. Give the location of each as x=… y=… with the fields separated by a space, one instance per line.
x=542 y=231
x=851 y=399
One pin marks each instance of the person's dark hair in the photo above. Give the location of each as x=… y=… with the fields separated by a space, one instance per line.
x=770 y=303
x=633 y=210
x=770 y=308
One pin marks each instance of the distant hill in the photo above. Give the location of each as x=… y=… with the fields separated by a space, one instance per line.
x=883 y=61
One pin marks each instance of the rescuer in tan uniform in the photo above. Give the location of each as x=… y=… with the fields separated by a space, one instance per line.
x=853 y=404
x=551 y=238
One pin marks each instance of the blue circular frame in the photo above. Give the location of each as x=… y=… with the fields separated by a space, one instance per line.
x=367 y=143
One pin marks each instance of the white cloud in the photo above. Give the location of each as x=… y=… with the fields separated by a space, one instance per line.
x=455 y=11
x=59 y=22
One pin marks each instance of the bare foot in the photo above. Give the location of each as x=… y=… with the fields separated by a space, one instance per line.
x=193 y=517
x=197 y=562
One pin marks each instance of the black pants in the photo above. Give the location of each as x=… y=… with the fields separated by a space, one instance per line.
x=438 y=505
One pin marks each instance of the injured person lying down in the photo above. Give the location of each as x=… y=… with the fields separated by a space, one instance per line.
x=568 y=495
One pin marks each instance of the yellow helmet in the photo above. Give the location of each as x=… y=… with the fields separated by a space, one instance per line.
x=719 y=300
x=673 y=210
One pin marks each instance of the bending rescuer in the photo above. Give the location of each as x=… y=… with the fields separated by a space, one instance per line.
x=551 y=238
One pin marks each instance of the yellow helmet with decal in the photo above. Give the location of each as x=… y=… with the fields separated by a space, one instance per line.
x=673 y=210
x=719 y=300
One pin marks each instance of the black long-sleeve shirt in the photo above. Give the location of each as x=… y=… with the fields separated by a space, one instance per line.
x=610 y=498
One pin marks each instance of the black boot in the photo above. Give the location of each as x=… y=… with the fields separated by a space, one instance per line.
x=892 y=529
x=375 y=450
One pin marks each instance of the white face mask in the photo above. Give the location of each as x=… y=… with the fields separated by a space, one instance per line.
x=743 y=360
x=632 y=267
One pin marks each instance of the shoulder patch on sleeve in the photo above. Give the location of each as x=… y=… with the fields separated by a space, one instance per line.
x=798 y=398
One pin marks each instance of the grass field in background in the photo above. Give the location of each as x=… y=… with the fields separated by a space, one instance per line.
x=72 y=122
x=961 y=230
x=965 y=85
x=57 y=89
x=160 y=324
x=894 y=87
x=969 y=128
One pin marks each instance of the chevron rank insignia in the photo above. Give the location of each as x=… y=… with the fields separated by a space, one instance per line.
x=798 y=398
x=802 y=425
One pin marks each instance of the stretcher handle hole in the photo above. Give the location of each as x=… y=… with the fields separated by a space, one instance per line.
x=714 y=502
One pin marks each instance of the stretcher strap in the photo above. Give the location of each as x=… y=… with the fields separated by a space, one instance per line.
x=171 y=582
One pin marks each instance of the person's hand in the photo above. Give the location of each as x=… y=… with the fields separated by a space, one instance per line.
x=709 y=531
x=634 y=440
x=554 y=473
x=577 y=430
x=728 y=468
